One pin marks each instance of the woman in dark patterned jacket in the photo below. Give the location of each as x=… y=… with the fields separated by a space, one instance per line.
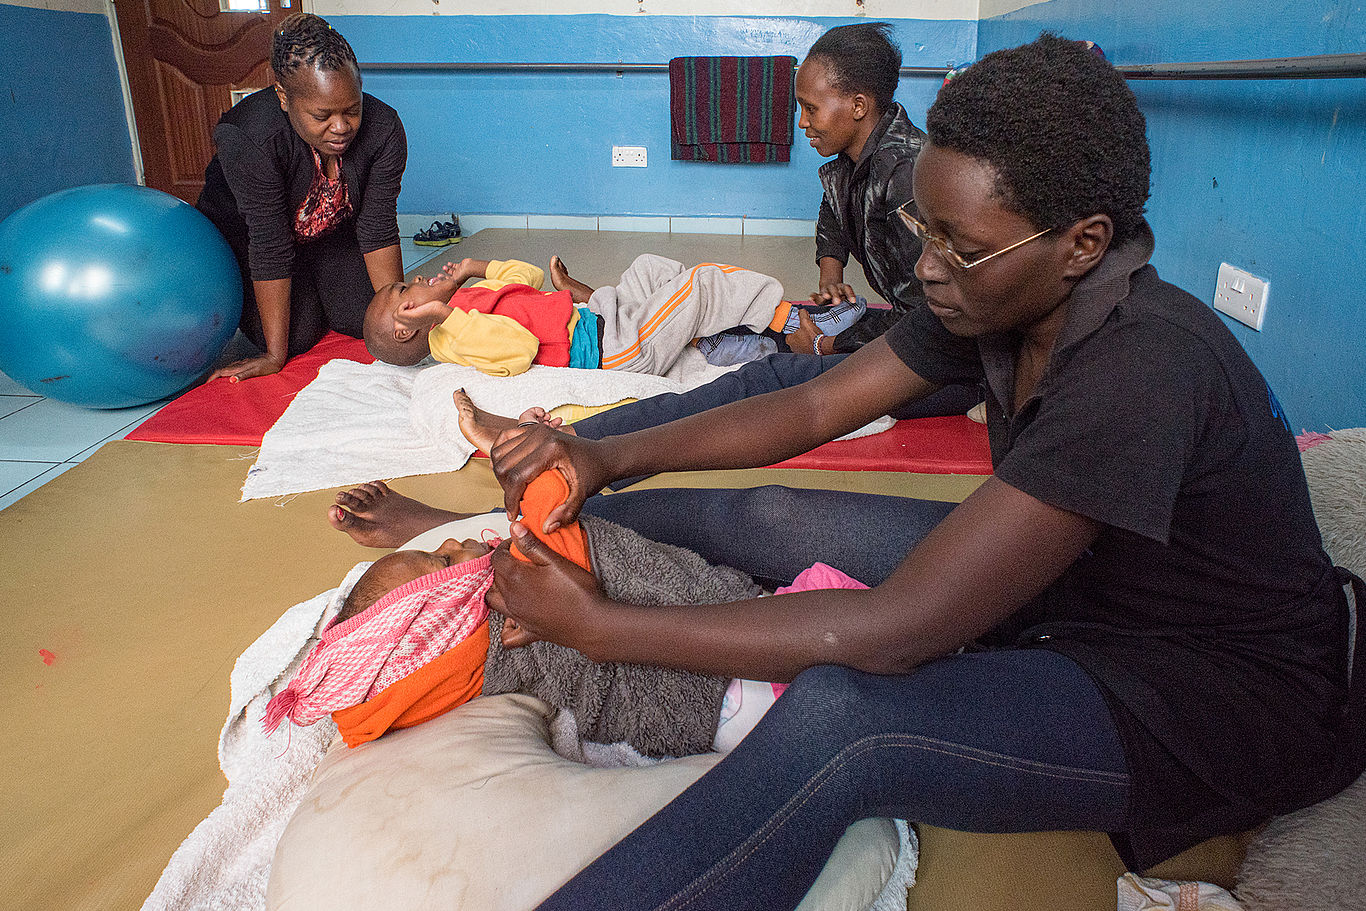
x=845 y=90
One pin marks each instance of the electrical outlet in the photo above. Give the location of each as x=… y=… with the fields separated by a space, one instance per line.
x=1241 y=295
x=628 y=156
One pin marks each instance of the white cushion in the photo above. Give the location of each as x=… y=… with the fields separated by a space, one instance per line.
x=473 y=810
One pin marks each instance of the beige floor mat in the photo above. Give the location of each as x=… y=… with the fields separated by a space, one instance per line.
x=130 y=585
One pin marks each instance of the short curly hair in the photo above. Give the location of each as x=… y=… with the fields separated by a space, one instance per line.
x=861 y=58
x=303 y=39
x=1060 y=127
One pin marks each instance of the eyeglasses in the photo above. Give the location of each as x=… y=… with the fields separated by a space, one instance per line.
x=945 y=248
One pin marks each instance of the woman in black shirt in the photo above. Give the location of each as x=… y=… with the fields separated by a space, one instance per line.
x=304 y=185
x=1083 y=643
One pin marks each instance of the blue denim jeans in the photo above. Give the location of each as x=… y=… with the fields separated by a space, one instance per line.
x=777 y=371
x=773 y=532
x=1003 y=741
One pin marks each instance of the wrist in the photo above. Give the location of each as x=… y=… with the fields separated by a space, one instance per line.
x=613 y=459
x=596 y=633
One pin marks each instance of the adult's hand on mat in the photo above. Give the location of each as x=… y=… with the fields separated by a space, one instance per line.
x=548 y=596
x=834 y=293
x=521 y=454
x=248 y=368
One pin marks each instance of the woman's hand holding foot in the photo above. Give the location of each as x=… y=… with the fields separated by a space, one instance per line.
x=520 y=456
x=482 y=428
x=547 y=596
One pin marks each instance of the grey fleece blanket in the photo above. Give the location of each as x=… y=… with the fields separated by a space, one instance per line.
x=658 y=711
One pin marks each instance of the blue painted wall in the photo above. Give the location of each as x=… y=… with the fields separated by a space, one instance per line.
x=1267 y=175
x=62 y=122
x=541 y=143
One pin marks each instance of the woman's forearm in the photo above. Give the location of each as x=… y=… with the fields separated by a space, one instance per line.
x=768 y=428
x=832 y=271
x=272 y=302
x=384 y=266
x=995 y=552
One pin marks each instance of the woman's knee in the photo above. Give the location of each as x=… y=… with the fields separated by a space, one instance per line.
x=830 y=704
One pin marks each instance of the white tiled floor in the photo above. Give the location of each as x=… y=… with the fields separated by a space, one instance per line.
x=40 y=437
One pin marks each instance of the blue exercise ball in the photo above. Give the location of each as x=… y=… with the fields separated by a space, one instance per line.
x=113 y=295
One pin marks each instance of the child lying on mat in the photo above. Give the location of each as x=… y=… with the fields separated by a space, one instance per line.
x=504 y=323
x=414 y=639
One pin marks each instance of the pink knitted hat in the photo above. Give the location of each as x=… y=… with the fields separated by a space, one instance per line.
x=407 y=628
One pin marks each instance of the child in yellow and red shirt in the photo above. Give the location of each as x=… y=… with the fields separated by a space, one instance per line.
x=501 y=324
x=504 y=323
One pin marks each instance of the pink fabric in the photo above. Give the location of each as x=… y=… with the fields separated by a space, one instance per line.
x=820 y=575
x=1311 y=439
x=816 y=576
x=410 y=626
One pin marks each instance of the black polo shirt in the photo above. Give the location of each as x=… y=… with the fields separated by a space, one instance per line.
x=1206 y=610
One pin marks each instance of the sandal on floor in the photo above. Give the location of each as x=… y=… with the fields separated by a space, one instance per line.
x=440 y=234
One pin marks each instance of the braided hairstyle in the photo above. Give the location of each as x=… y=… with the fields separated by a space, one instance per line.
x=306 y=40
x=861 y=58
x=1060 y=127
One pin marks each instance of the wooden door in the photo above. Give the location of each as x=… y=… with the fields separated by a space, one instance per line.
x=185 y=59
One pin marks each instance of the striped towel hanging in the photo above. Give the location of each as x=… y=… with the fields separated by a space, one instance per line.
x=732 y=109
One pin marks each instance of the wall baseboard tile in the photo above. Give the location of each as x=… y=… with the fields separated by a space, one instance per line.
x=657 y=224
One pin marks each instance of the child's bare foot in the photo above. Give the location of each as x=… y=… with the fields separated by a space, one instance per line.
x=563 y=281
x=482 y=428
x=375 y=516
x=479 y=426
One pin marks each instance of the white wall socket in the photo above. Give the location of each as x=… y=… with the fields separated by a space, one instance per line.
x=628 y=156
x=1241 y=295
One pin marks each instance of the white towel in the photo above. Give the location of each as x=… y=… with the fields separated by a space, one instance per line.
x=358 y=422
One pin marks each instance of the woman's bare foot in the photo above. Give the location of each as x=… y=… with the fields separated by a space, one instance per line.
x=375 y=516
x=482 y=428
x=563 y=281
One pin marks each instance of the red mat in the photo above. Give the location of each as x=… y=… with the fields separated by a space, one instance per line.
x=948 y=445
x=238 y=414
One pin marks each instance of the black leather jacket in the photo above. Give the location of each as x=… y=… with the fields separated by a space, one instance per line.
x=858 y=217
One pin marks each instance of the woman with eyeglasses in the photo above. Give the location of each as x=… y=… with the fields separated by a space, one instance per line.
x=1081 y=644
x=304 y=185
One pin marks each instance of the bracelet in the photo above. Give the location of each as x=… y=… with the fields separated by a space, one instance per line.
x=528 y=423
x=816 y=343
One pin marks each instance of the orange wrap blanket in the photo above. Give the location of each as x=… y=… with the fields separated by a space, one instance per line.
x=458 y=675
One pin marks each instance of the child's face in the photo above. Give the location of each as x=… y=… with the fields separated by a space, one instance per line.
x=403 y=566
x=414 y=564
x=402 y=313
